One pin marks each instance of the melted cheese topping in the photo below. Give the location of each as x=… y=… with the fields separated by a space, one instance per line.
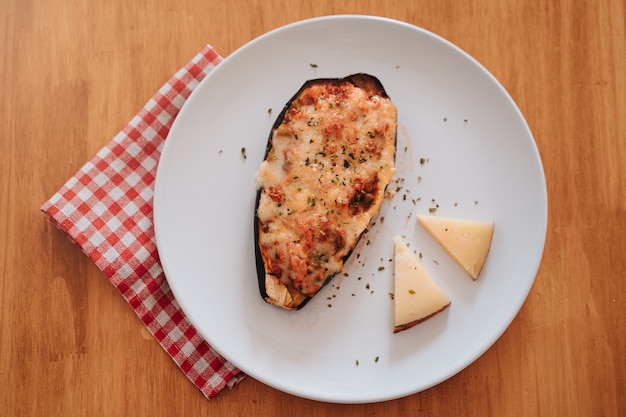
x=416 y=296
x=322 y=181
x=466 y=241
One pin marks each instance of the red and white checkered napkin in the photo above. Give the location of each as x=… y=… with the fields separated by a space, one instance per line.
x=106 y=209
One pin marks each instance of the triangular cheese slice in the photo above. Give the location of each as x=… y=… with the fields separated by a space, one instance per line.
x=466 y=241
x=416 y=296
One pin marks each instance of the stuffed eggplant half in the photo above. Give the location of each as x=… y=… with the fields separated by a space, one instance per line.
x=330 y=156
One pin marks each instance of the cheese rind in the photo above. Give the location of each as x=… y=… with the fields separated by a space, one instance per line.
x=466 y=241
x=416 y=295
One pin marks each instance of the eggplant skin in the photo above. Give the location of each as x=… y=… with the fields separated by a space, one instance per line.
x=329 y=158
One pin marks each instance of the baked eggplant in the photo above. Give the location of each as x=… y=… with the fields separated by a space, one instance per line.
x=329 y=158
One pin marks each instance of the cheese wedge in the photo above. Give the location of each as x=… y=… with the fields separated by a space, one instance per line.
x=416 y=296
x=466 y=241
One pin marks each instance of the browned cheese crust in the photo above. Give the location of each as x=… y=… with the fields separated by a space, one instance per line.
x=330 y=157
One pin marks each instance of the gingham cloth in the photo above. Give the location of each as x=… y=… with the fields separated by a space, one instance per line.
x=106 y=209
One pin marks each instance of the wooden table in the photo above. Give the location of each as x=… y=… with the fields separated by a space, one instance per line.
x=72 y=73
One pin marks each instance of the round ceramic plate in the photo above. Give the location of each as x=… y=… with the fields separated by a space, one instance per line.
x=464 y=149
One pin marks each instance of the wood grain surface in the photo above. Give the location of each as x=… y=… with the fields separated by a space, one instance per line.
x=73 y=72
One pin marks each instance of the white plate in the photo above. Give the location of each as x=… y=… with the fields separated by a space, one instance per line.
x=480 y=162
